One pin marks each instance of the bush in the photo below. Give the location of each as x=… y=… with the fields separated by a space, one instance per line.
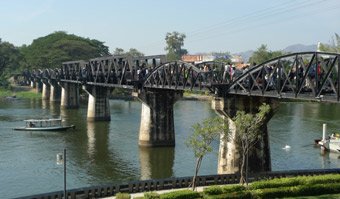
x=151 y=195
x=123 y=196
x=216 y=190
x=295 y=181
x=301 y=190
x=273 y=192
x=277 y=182
x=234 y=195
x=213 y=190
x=233 y=188
x=183 y=194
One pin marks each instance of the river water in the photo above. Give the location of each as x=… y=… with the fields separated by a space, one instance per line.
x=108 y=152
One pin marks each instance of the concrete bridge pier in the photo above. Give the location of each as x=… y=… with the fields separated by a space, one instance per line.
x=229 y=158
x=69 y=95
x=98 y=108
x=157 y=118
x=33 y=84
x=39 y=86
x=46 y=90
x=55 y=91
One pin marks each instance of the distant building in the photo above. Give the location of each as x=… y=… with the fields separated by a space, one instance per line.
x=192 y=58
x=198 y=58
x=236 y=59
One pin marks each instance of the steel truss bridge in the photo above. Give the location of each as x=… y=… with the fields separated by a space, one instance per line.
x=306 y=75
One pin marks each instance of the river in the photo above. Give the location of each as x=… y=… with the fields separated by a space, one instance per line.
x=108 y=152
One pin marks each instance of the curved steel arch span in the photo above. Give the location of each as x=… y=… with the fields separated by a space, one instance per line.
x=305 y=75
x=179 y=75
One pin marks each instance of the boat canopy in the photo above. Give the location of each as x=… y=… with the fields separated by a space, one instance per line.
x=43 y=122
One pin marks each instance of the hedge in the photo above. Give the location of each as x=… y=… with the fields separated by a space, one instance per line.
x=183 y=194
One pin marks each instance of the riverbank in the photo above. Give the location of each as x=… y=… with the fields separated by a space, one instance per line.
x=16 y=92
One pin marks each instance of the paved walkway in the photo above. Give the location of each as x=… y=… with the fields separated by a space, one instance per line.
x=134 y=195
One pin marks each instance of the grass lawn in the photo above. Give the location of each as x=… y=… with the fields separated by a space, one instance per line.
x=19 y=92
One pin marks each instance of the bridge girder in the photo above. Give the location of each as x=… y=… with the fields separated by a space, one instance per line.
x=305 y=75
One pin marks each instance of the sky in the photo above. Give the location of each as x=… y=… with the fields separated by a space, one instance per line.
x=210 y=26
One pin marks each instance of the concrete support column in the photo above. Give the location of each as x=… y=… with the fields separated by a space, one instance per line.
x=33 y=84
x=69 y=95
x=98 y=108
x=157 y=120
x=229 y=160
x=55 y=91
x=39 y=86
x=46 y=90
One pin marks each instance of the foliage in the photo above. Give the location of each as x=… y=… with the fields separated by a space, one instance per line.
x=233 y=195
x=200 y=141
x=151 y=195
x=183 y=194
x=274 y=183
x=213 y=190
x=262 y=54
x=50 y=51
x=223 y=57
x=229 y=191
x=279 y=188
x=20 y=94
x=123 y=196
x=132 y=52
x=333 y=47
x=294 y=181
x=174 y=43
x=248 y=134
x=10 y=59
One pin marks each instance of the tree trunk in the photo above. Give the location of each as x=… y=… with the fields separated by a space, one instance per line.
x=198 y=165
x=242 y=180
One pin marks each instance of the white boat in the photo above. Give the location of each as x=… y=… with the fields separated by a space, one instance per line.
x=329 y=143
x=44 y=125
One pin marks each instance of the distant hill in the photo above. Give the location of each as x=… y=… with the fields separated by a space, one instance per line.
x=289 y=49
x=300 y=48
x=245 y=55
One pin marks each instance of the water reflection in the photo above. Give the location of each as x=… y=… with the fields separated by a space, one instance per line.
x=97 y=139
x=156 y=162
x=54 y=109
x=44 y=104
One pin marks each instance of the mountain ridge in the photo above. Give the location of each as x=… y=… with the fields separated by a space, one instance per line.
x=294 y=48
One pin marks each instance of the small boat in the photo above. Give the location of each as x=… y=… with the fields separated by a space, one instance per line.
x=44 y=125
x=329 y=143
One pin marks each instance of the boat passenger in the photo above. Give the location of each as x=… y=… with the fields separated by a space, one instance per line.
x=31 y=124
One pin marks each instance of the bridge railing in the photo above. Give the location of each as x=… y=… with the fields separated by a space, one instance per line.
x=173 y=183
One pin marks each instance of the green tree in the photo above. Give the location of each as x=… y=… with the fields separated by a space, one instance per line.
x=200 y=141
x=10 y=59
x=50 y=51
x=132 y=52
x=174 y=43
x=222 y=57
x=248 y=134
x=333 y=47
x=262 y=54
x=119 y=51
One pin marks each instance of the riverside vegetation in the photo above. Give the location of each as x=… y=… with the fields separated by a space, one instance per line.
x=271 y=188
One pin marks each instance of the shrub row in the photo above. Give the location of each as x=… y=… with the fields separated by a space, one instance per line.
x=216 y=190
x=301 y=190
x=274 y=188
x=183 y=194
x=295 y=181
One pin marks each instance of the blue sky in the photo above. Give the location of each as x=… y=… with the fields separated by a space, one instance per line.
x=215 y=25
